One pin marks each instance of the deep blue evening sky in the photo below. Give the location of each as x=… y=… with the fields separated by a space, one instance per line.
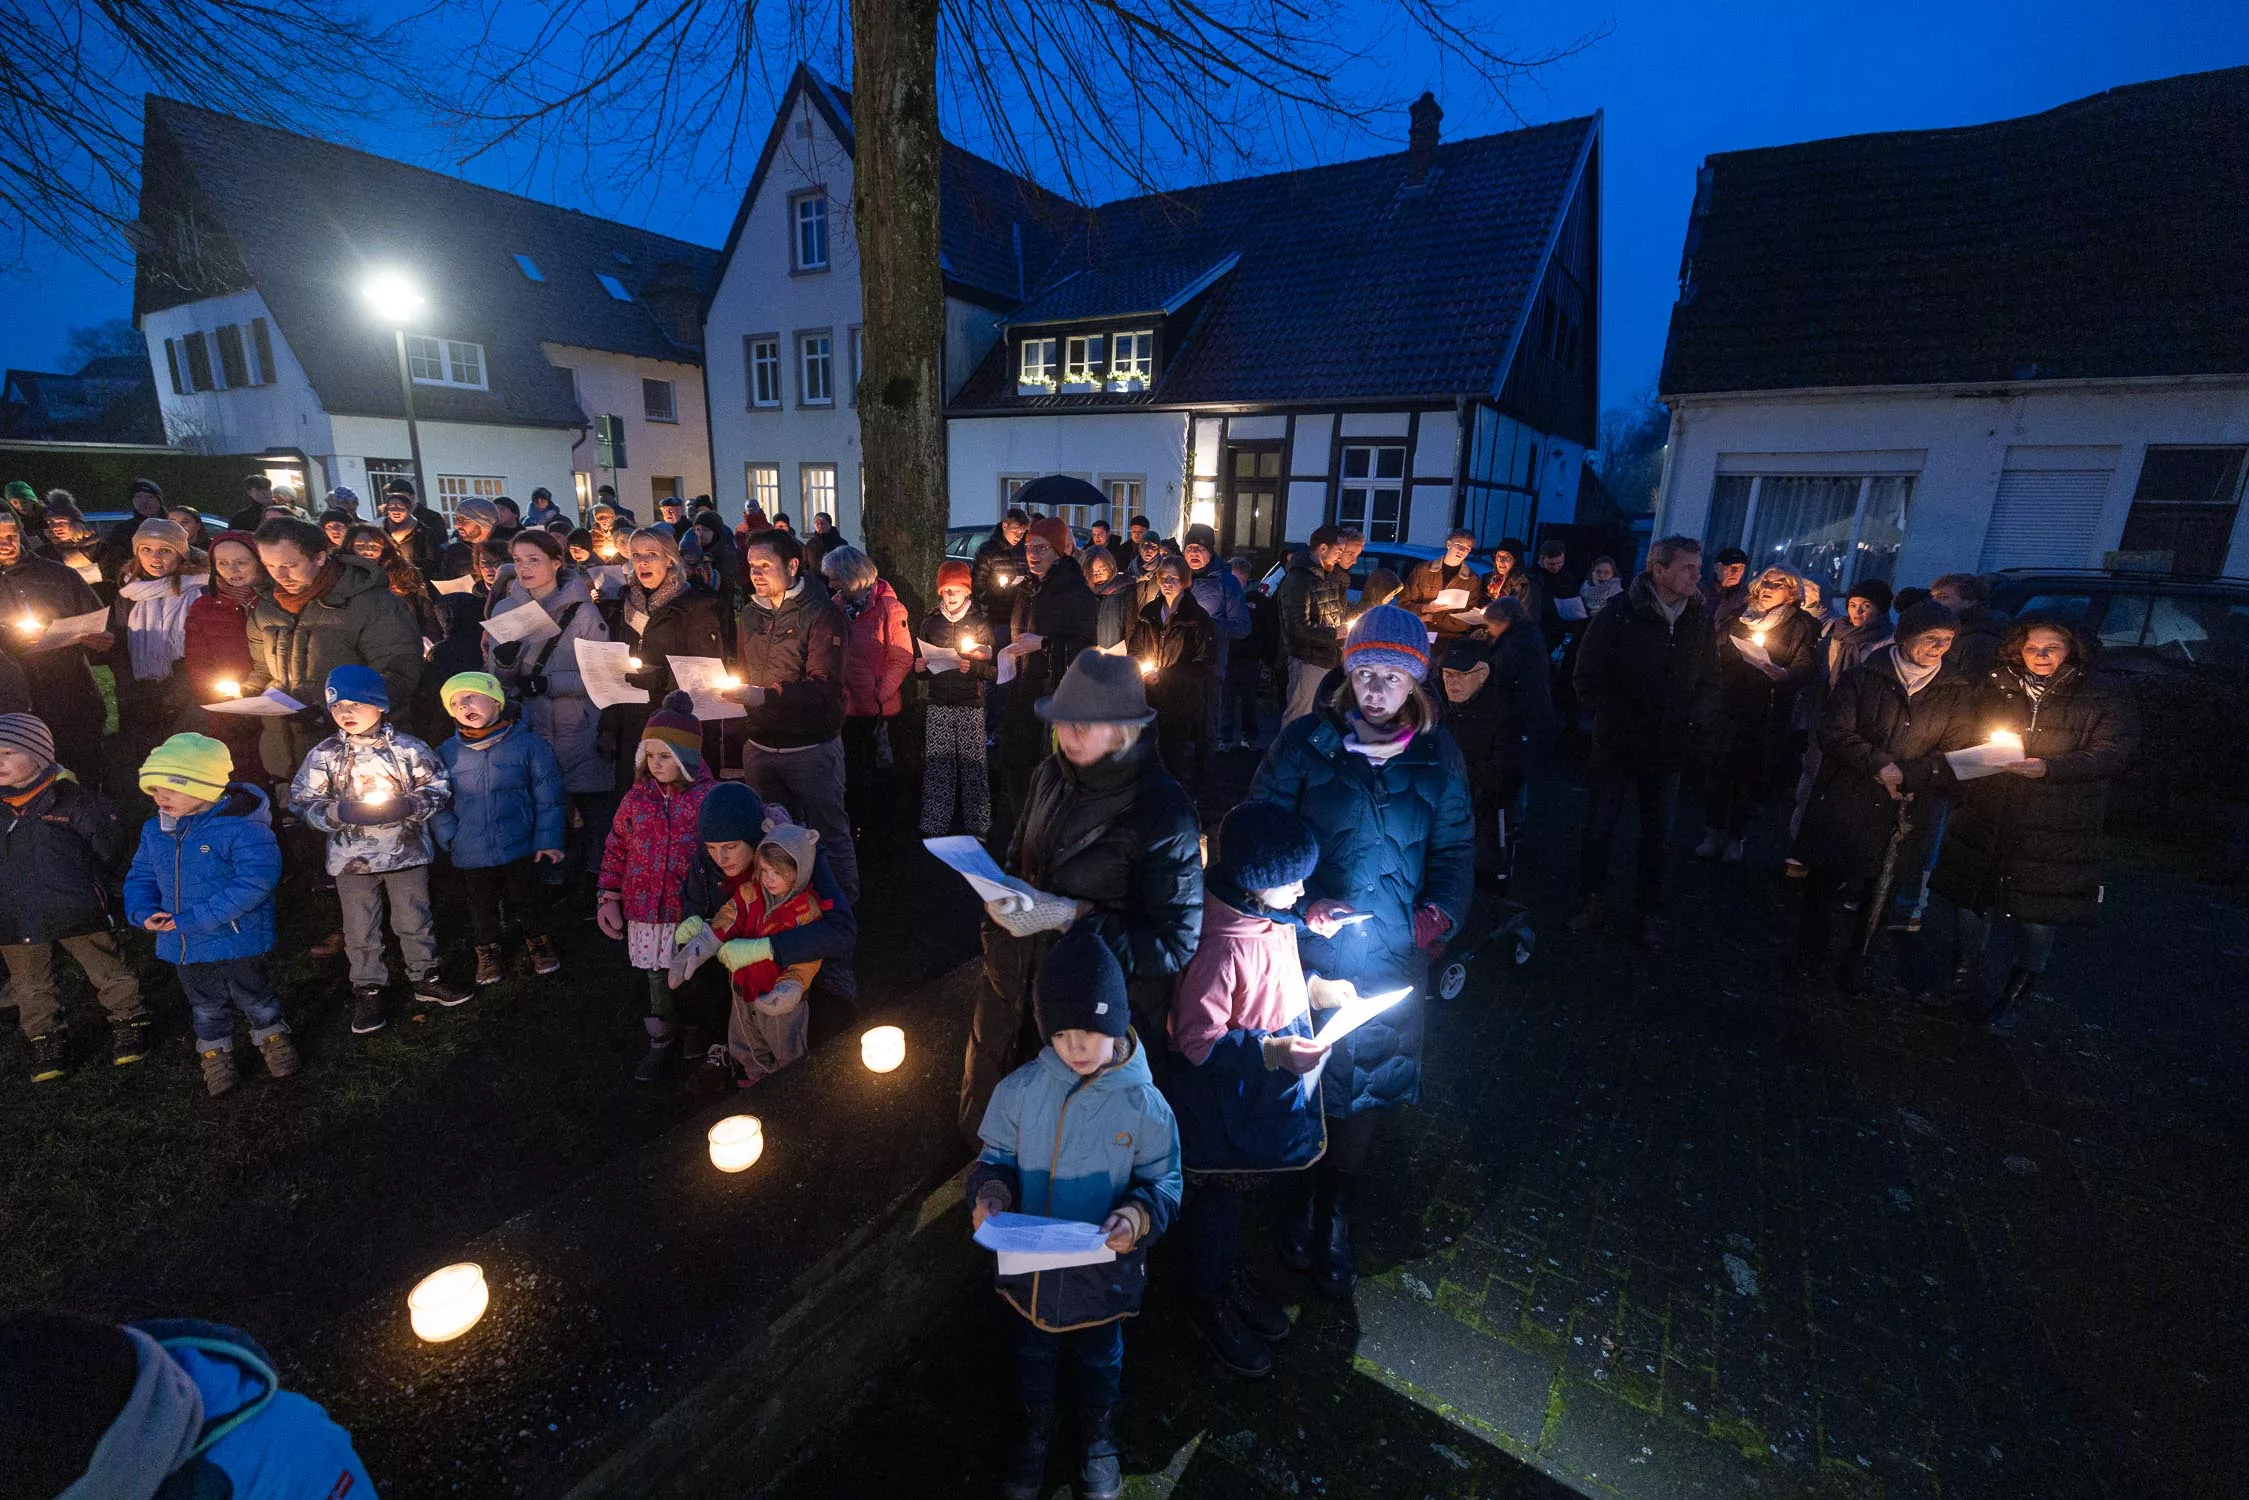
x=1677 y=81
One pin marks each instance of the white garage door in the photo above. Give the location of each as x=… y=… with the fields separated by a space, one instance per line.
x=2045 y=518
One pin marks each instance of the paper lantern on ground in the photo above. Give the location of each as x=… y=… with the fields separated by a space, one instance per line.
x=883 y=1049
x=736 y=1143
x=446 y=1304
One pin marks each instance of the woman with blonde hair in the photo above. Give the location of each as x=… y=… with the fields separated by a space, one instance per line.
x=1765 y=659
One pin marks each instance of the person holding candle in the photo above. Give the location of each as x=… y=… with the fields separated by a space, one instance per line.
x=149 y=626
x=1766 y=655
x=1054 y=619
x=1176 y=644
x=37 y=590
x=955 y=776
x=373 y=791
x=2022 y=852
x=543 y=676
x=74 y=543
x=505 y=818
x=217 y=647
x=662 y=614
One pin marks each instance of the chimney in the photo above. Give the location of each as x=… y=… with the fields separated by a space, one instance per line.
x=1421 y=138
x=671 y=298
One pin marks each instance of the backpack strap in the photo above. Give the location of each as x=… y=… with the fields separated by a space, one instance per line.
x=561 y=629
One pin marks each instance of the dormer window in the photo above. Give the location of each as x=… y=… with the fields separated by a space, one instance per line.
x=809 y=241
x=1081 y=363
x=1035 y=375
x=1132 y=361
x=453 y=362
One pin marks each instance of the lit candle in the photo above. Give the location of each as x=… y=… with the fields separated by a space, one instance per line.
x=736 y=1143
x=228 y=687
x=378 y=796
x=28 y=624
x=731 y=682
x=446 y=1304
x=633 y=662
x=1147 y=669
x=2007 y=739
x=968 y=643
x=1002 y=580
x=882 y=1049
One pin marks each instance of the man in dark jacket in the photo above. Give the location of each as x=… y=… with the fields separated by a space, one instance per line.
x=543 y=508
x=473 y=521
x=1500 y=708
x=824 y=540
x=61 y=680
x=1556 y=581
x=1245 y=667
x=1647 y=671
x=401 y=519
x=144 y=500
x=257 y=494
x=1981 y=626
x=1726 y=590
x=1058 y=608
x=1312 y=596
x=791 y=642
x=998 y=571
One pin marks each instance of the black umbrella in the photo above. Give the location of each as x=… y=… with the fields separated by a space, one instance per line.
x=1053 y=490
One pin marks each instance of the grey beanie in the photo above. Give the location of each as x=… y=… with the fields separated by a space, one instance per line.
x=30 y=734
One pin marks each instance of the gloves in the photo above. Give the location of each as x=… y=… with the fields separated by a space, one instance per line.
x=780 y=1000
x=1430 y=925
x=689 y=930
x=744 y=951
x=691 y=954
x=370 y=814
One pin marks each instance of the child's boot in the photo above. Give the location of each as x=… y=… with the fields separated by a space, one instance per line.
x=663 y=1050
x=1337 y=1271
x=50 y=1056
x=128 y=1038
x=219 y=1076
x=544 y=960
x=489 y=969
x=367 y=1009
x=1024 y=1478
x=1101 y=1476
x=280 y=1054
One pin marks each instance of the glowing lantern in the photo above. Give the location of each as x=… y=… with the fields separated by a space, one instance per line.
x=883 y=1049
x=736 y=1143
x=446 y=1304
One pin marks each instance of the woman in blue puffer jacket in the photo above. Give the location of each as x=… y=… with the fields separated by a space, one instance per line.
x=1385 y=790
x=508 y=813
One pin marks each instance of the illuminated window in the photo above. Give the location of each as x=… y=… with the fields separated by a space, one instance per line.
x=819 y=481
x=452 y=489
x=765 y=487
x=1037 y=367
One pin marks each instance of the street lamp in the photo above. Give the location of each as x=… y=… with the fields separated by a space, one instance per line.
x=395 y=301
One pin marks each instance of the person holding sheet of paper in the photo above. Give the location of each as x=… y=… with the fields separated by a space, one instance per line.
x=1176 y=644
x=1443 y=586
x=1055 y=617
x=543 y=675
x=218 y=646
x=2023 y=849
x=63 y=691
x=1766 y=656
x=1079 y=1132
x=878 y=653
x=148 y=627
x=955 y=774
x=1500 y=708
x=662 y=614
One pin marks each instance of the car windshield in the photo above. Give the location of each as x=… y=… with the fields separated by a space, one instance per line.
x=2174 y=628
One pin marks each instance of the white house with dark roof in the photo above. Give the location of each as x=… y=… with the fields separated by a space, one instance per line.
x=253 y=245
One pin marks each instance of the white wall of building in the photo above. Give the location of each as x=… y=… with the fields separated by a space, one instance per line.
x=521 y=458
x=679 y=449
x=1150 y=446
x=1956 y=444
x=283 y=414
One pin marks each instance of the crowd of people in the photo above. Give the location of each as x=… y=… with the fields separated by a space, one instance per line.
x=1143 y=1043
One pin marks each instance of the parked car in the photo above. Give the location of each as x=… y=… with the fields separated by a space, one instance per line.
x=962 y=541
x=103 y=520
x=1400 y=558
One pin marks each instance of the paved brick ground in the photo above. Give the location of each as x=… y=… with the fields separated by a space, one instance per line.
x=1666 y=1228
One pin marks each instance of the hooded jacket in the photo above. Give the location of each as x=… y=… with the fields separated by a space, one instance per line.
x=215 y=871
x=1066 y=1147
x=507 y=802
x=653 y=845
x=750 y=913
x=562 y=715
x=358 y=621
x=345 y=767
x=57 y=850
x=1649 y=681
x=1870 y=721
x=877 y=654
x=795 y=651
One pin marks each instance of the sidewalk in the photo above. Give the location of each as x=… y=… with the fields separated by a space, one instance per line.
x=1663 y=1228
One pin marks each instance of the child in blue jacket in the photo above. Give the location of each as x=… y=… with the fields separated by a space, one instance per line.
x=203 y=880
x=1079 y=1132
x=506 y=817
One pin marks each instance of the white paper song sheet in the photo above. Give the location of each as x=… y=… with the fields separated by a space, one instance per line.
x=974 y=863
x=526 y=623
x=1470 y=617
x=1012 y=654
x=1979 y=761
x=1027 y=1243
x=270 y=704
x=1344 y=1020
x=53 y=635
x=1570 y=607
x=1752 y=648
x=1450 y=599
x=464 y=584
x=938 y=658
x=703 y=678
x=602 y=666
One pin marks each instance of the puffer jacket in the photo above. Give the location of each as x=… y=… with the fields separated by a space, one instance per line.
x=1755 y=711
x=877 y=654
x=215 y=872
x=359 y=621
x=1975 y=650
x=962 y=687
x=58 y=850
x=1063 y=613
x=996 y=560
x=1219 y=592
x=1395 y=836
x=218 y=650
x=1311 y=600
x=508 y=802
x=1650 y=682
x=652 y=846
x=1066 y=1147
x=63 y=690
x=348 y=766
x=1870 y=722
x=1245 y=983
x=2032 y=848
x=796 y=653
x=563 y=715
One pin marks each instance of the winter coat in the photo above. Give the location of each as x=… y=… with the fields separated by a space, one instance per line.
x=1066 y=1147
x=963 y=687
x=652 y=847
x=996 y=599
x=1869 y=722
x=1116 y=606
x=1059 y=609
x=1756 y=712
x=15 y=688
x=1185 y=651
x=1219 y=592
x=508 y=800
x=1552 y=587
x=1509 y=719
x=1244 y=983
x=748 y=913
x=1432 y=578
x=56 y=851
x=833 y=936
x=1975 y=650
x=563 y=715
x=796 y=653
x=877 y=654
x=218 y=650
x=358 y=621
x=1395 y=836
x=690 y=623
x=345 y=767
x=63 y=691
x=1650 y=682
x=2031 y=849
x=256 y=1441
x=1311 y=600
x=1264 y=640
x=215 y=871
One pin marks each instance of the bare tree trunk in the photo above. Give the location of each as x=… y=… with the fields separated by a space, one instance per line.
x=901 y=289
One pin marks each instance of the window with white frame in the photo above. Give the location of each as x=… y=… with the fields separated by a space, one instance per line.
x=1081 y=360
x=1079 y=517
x=809 y=243
x=816 y=370
x=1035 y=372
x=764 y=483
x=1132 y=361
x=659 y=400
x=452 y=489
x=762 y=351
x=819 y=485
x=1124 y=495
x=453 y=362
x=1373 y=494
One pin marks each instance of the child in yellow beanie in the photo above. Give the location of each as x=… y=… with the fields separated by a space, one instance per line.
x=203 y=880
x=505 y=819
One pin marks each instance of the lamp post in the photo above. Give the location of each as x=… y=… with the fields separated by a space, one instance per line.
x=395 y=301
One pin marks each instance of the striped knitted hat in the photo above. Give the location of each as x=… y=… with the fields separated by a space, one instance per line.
x=1387 y=636
x=30 y=734
x=675 y=725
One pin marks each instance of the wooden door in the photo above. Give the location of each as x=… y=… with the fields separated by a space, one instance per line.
x=1250 y=507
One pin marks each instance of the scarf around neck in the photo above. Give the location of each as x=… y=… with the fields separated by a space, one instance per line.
x=1911 y=676
x=330 y=571
x=156 y=624
x=642 y=601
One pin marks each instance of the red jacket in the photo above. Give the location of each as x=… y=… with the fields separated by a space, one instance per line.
x=218 y=643
x=877 y=655
x=1245 y=976
x=652 y=846
x=745 y=915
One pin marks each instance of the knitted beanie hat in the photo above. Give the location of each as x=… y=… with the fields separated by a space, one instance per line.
x=1388 y=636
x=731 y=813
x=191 y=763
x=352 y=683
x=163 y=532
x=1873 y=589
x=1263 y=846
x=479 y=510
x=461 y=683
x=676 y=726
x=1203 y=536
x=1080 y=987
x=19 y=490
x=30 y=734
x=145 y=486
x=952 y=571
x=1922 y=618
x=1056 y=535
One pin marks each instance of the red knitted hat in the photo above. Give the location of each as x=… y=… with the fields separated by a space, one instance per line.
x=1056 y=535
x=952 y=571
